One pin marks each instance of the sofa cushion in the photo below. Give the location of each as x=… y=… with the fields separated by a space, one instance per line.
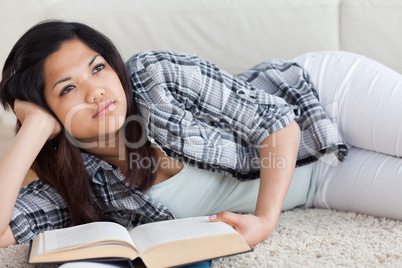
x=373 y=28
x=236 y=34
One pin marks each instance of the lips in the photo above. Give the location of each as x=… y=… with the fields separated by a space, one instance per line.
x=104 y=108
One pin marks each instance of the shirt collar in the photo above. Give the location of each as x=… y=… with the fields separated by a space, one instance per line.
x=92 y=166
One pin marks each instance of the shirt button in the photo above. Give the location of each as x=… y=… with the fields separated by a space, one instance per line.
x=240 y=92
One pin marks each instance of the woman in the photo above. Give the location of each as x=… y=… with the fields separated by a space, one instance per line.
x=112 y=146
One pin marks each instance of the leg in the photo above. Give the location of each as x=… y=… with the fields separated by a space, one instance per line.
x=362 y=96
x=367 y=182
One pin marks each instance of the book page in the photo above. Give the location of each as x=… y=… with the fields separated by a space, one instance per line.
x=84 y=234
x=151 y=234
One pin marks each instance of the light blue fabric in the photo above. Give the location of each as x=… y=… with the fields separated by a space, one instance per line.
x=196 y=192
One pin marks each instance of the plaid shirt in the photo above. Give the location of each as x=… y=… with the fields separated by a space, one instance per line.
x=201 y=116
x=39 y=207
x=205 y=117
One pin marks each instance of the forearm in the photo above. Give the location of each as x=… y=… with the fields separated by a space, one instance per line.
x=278 y=156
x=16 y=162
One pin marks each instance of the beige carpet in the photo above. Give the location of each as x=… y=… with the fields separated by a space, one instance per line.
x=303 y=238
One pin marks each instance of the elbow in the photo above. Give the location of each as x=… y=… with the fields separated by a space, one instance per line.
x=7 y=238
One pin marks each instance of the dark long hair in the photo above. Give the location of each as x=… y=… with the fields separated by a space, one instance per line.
x=63 y=168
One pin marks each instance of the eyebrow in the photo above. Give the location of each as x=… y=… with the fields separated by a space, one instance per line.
x=68 y=78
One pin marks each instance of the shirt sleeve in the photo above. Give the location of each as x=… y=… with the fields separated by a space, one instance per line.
x=38 y=208
x=201 y=111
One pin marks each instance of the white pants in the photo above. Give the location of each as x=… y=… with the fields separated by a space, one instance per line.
x=364 y=99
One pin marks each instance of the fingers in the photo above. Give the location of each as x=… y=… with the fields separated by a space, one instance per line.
x=226 y=217
x=253 y=229
x=25 y=109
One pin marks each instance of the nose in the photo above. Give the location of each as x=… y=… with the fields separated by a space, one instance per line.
x=94 y=93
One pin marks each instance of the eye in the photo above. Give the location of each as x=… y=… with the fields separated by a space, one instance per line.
x=66 y=89
x=98 y=68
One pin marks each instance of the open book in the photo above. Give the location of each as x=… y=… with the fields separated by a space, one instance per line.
x=158 y=244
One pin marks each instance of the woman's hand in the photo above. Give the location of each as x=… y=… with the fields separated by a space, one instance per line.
x=25 y=110
x=253 y=229
x=274 y=184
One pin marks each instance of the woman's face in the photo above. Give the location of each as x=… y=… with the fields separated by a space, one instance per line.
x=84 y=92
